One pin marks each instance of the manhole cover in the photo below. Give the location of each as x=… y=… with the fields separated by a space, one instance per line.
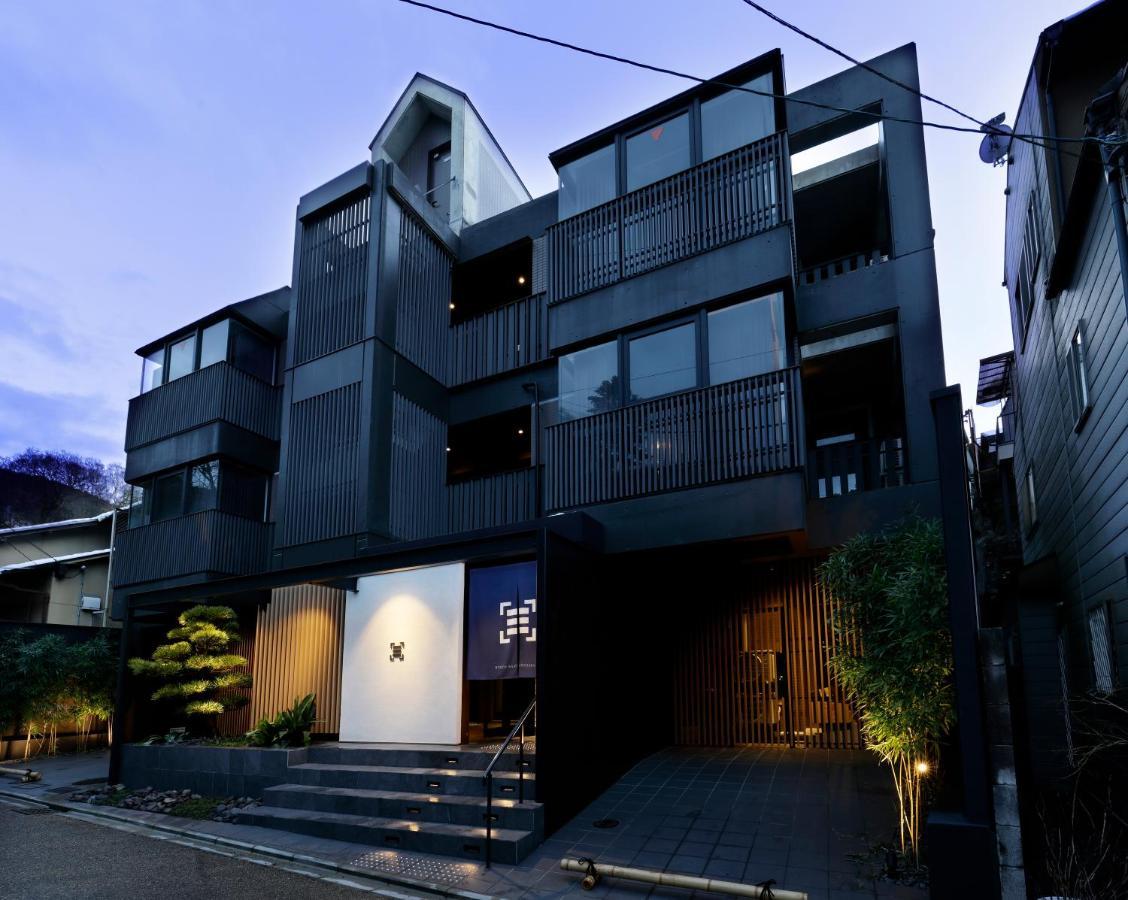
x=605 y=823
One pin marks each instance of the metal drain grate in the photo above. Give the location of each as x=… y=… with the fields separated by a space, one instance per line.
x=421 y=868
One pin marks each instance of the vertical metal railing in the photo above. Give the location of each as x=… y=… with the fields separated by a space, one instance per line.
x=519 y=728
x=853 y=466
x=499 y=340
x=733 y=430
x=734 y=196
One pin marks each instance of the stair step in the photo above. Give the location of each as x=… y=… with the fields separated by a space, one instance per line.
x=408 y=779
x=417 y=756
x=468 y=842
x=457 y=809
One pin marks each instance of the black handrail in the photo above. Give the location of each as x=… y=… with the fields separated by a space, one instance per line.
x=519 y=727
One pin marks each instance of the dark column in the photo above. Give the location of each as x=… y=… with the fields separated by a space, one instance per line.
x=122 y=730
x=961 y=849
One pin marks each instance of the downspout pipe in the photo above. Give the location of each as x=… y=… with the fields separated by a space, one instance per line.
x=1103 y=119
x=1112 y=158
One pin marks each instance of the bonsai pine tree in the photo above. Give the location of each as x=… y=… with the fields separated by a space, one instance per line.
x=198 y=674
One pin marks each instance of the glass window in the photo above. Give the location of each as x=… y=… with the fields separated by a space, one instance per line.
x=168 y=496
x=152 y=370
x=139 y=497
x=181 y=358
x=1031 y=496
x=736 y=118
x=243 y=492
x=1100 y=648
x=663 y=362
x=746 y=339
x=1078 y=376
x=213 y=344
x=589 y=381
x=587 y=182
x=252 y=354
x=659 y=151
x=203 y=486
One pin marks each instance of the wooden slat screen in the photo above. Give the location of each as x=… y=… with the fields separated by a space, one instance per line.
x=727 y=431
x=752 y=668
x=726 y=199
x=298 y=644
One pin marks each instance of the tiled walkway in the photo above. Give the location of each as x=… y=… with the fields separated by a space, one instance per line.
x=741 y=814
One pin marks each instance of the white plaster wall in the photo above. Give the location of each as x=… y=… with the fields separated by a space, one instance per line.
x=418 y=700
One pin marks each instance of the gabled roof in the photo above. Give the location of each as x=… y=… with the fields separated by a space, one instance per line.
x=63 y=525
x=70 y=558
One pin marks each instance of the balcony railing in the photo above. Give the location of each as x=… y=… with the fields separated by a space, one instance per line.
x=500 y=340
x=723 y=200
x=728 y=431
x=846 y=468
x=832 y=269
x=210 y=542
x=503 y=499
x=218 y=392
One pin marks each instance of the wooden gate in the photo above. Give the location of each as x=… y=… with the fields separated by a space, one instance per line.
x=751 y=668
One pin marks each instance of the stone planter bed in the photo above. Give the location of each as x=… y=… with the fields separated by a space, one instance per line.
x=209 y=771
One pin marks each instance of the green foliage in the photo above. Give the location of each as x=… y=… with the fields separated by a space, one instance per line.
x=198 y=675
x=894 y=650
x=290 y=728
x=47 y=681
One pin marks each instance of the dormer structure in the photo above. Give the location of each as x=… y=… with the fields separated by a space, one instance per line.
x=435 y=136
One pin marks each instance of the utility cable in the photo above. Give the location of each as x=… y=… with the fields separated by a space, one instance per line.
x=663 y=70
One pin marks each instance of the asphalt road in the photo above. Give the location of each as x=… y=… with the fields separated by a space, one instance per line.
x=50 y=855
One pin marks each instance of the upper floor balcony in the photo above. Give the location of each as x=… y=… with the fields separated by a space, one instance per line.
x=731 y=197
x=217 y=393
x=209 y=543
x=734 y=430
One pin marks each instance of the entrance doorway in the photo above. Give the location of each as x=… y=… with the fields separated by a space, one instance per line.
x=752 y=665
x=494 y=707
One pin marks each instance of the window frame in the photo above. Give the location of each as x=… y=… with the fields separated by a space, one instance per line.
x=699 y=318
x=692 y=112
x=1029 y=263
x=197 y=334
x=184 y=472
x=1080 y=393
x=1102 y=608
x=1030 y=497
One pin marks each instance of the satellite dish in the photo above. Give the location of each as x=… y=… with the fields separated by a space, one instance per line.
x=996 y=140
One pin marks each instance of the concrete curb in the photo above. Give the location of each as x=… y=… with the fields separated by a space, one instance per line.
x=90 y=811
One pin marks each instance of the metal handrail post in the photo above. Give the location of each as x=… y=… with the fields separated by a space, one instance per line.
x=489 y=816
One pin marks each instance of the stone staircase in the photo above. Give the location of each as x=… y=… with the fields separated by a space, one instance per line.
x=417 y=797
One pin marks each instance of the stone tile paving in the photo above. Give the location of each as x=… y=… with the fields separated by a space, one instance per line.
x=741 y=814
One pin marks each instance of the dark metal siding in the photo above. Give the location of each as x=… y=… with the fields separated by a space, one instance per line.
x=423 y=298
x=332 y=280
x=503 y=499
x=217 y=393
x=418 y=482
x=322 y=466
x=500 y=340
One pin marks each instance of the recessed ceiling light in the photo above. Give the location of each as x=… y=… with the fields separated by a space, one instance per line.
x=452 y=306
x=520 y=279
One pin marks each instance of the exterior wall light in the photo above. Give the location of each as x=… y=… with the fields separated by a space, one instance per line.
x=922 y=768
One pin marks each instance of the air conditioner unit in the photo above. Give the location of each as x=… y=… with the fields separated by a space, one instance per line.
x=92 y=604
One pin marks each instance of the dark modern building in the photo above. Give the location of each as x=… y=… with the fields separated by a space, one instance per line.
x=1061 y=443
x=587 y=447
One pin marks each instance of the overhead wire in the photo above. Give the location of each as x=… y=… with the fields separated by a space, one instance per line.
x=665 y=70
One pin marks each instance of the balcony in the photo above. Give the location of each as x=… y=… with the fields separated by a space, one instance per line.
x=853 y=466
x=727 y=199
x=499 y=340
x=728 y=431
x=204 y=543
x=219 y=392
x=504 y=499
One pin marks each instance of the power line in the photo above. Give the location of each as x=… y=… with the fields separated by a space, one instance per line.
x=983 y=125
x=662 y=70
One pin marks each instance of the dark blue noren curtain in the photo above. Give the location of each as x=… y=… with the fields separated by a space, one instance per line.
x=502 y=622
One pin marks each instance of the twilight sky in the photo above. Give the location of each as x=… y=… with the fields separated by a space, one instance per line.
x=152 y=154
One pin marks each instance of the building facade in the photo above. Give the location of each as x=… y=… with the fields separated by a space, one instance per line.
x=1062 y=436
x=587 y=448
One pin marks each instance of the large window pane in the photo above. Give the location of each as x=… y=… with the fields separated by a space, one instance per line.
x=168 y=497
x=252 y=354
x=747 y=339
x=658 y=152
x=213 y=344
x=244 y=492
x=663 y=362
x=139 y=498
x=181 y=358
x=152 y=370
x=203 y=486
x=589 y=381
x=587 y=182
x=736 y=118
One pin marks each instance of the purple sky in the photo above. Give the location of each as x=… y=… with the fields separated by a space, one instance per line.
x=151 y=155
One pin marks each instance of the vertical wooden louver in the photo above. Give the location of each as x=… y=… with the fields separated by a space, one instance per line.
x=423 y=297
x=298 y=646
x=753 y=668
